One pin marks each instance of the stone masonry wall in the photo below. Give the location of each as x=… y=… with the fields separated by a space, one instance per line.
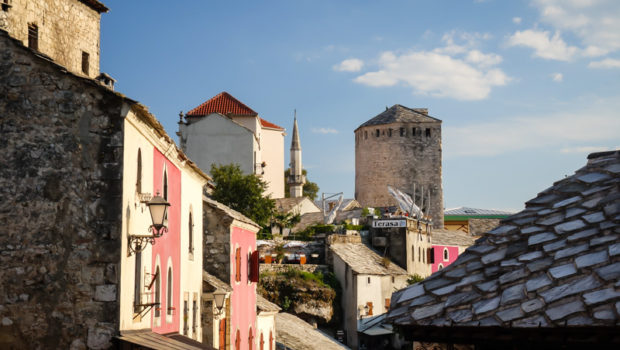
x=66 y=28
x=399 y=161
x=60 y=213
x=216 y=243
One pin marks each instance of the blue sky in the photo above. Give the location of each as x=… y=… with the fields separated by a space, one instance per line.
x=525 y=89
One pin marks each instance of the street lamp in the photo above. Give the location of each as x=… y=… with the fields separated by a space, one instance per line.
x=158 y=207
x=219 y=296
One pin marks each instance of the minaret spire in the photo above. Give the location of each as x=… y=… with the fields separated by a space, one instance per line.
x=296 y=178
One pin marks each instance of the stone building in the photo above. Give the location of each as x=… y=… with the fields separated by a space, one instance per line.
x=400 y=147
x=67 y=31
x=80 y=163
x=545 y=278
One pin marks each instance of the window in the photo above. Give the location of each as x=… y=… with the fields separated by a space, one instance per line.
x=393 y=279
x=165 y=185
x=402 y=132
x=387 y=303
x=169 y=306
x=369 y=304
x=185 y=317
x=253 y=264
x=33 y=36
x=270 y=340
x=413 y=132
x=238 y=340
x=138 y=278
x=250 y=339
x=446 y=254
x=412 y=253
x=377 y=133
x=368 y=280
x=262 y=342
x=191 y=233
x=157 y=293
x=428 y=132
x=6 y=5
x=238 y=264
x=85 y=65
x=390 y=132
x=139 y=172
x=419 y=254
x=440 y=267
x=365 y=134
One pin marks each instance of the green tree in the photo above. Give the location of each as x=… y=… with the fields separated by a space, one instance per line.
x=243 y=193
x=310 y=189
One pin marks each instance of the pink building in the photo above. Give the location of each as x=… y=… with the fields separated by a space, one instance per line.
x=447 y=246
x=227 y=230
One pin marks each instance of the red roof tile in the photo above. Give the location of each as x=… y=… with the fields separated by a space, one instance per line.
x=267 y=124
x=224 y=104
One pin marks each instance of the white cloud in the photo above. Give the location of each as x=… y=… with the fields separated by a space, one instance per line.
x=324 y=131
x=586 y=149
x=544 y=45
x=437 y=74
x=564 y=129
x=349 y=65
x=594 y=22
x=557 y=77
x=606 y=63
x=516 y=20
x=482 y=59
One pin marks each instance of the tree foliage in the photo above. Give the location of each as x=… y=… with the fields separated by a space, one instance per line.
x=310 y=189
x=243 y=193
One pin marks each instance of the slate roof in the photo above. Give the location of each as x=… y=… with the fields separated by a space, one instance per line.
x=451 y=238
x=362 y=260
x=215 y=282
x=223 y=103
x=295 y=333
x=552 y=265
x=265 y=305
x=400 y=114
x=228 y=211
x=473 y=212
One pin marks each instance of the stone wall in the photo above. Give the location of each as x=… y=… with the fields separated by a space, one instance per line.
x=60 y=213
x=399 y=161
x=66 y=28
x=478 y=227
x=216 y=243
x=279 y=268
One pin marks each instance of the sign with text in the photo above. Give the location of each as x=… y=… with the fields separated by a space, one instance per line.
x=389 y=223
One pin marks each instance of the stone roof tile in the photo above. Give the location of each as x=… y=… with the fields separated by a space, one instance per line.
x=555 y=263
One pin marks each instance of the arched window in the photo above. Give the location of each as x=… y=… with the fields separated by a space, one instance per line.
x=440 y=267
x=446 y=254
x=165 y=185
x=191 y=233
x=169 y=306
x=139 y=172
x=157 y=292
x=250 y=340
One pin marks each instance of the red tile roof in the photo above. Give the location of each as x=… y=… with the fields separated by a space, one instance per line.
x=224 y=104
x=271 y=125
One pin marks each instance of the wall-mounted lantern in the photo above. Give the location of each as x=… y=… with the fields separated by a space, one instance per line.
x=219 y=297
x=158 y=207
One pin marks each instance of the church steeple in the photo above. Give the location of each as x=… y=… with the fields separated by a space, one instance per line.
x=296 y=179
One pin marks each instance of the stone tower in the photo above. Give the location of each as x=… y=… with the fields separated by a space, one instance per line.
x=296 y=179
x=400 y=147
x=67 y=31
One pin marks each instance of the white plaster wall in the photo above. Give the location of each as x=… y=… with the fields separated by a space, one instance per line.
x=136 y=220
x=419 y=239
x=349 y=299
x=272 y=151
x=265 y=322
x=215 y=139
x=191 y=263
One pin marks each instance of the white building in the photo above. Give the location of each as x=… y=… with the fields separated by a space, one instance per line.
x=223 y=130
x=367 y=282
x=266 y=323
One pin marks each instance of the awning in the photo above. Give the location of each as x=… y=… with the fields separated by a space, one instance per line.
x=152 y=340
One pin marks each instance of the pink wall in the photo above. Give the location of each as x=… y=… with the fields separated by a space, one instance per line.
x=453 y=253
x=169 y=245
x=243 y=299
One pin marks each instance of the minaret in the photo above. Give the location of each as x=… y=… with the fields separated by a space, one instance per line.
x=296 y=179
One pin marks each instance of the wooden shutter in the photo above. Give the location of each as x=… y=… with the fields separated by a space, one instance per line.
x=262 y=342
x=270 y=340
x=223 y=334
x=387 y=303
x=254 y=265
x=238 y=340
x=369 y=304
x=251 y=340
x=238 y=264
